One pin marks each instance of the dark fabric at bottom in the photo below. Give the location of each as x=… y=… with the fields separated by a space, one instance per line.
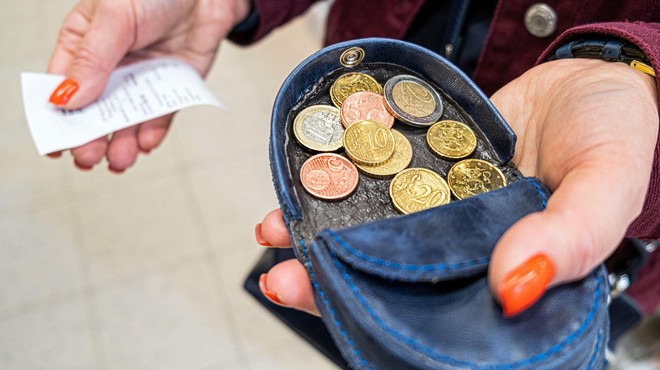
x=309 y=327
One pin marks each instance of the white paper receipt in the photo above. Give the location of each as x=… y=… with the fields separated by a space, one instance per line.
x=134 y=94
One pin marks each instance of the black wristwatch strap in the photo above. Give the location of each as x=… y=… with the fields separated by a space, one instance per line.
x=609 y=49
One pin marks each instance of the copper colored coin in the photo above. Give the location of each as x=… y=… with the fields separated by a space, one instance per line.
x=329 y=176
x=365 y=105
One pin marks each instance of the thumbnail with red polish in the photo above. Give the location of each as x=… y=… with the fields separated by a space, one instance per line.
x=525 y=284
x=64 y=92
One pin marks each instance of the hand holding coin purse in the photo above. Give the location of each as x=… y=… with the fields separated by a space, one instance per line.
x=410 y=291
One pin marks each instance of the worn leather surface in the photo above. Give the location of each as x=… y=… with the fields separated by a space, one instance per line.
x=410 y=291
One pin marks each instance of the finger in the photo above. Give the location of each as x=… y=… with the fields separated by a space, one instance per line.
x=272 y=232
x=90 y=154
x=123 y=149
x=101 y=48
x=584 y=221
x=152 y=133
x=288 y=285
x=55 y=155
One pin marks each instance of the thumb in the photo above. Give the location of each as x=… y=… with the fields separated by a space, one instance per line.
x=88 y=60
x=585 y=219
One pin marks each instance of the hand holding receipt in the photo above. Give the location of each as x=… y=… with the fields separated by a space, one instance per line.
x=134 y=94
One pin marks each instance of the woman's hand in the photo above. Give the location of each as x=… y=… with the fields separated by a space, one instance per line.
x=99 y=35
x=588 y=130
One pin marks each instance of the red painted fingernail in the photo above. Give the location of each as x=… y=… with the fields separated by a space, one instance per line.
x=54 y=154
x=64 y=92
x=260 y=239
x=115 y=170
x=272 y=296
x=81 y=167
x=526 y=284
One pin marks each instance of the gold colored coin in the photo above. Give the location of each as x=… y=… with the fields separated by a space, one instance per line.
x=319 y=128
x=368 y=142
x=351 y=83
x=451 y=139
x=416 y=189
x=399 y=161
x=474 y=176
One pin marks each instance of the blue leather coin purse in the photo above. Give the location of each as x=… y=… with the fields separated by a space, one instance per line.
x=410 y=291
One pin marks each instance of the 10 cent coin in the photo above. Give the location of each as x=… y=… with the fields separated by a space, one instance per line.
x=368 y=142
x=398 y=162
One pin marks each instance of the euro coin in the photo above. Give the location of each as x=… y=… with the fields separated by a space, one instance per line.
x=329 y=176
x=318 y=128
x=412 y=101
x=474 y=176
x=368 y=142
x=451 y=139
x=365 y=105
x=349 y=84
x=398 y=162
x=416 y=189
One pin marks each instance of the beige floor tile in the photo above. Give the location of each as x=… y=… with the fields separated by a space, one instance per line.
x=39 y=257
x=235 y=364
x=233 y=198
x=169 y=320
x=162 y=163
x=56 y=336
x=257 y=327
x=29 y=183
x=289 y=356
x=144 y=228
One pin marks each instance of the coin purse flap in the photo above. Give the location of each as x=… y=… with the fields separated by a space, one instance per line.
x=411 y=291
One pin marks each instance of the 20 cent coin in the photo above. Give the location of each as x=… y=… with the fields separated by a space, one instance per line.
x=417 y=189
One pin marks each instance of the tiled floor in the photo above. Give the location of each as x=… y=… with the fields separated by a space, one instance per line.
x=143 y=270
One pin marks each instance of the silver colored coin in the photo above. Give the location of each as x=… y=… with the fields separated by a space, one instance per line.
x=413 y=101
x=319 y=128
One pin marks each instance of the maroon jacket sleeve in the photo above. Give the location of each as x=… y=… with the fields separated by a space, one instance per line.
x=272 y=14
x=647 y=37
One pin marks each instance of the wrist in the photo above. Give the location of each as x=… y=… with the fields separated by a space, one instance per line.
x=605 y=48
x=241 y=10
x=224 y=14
